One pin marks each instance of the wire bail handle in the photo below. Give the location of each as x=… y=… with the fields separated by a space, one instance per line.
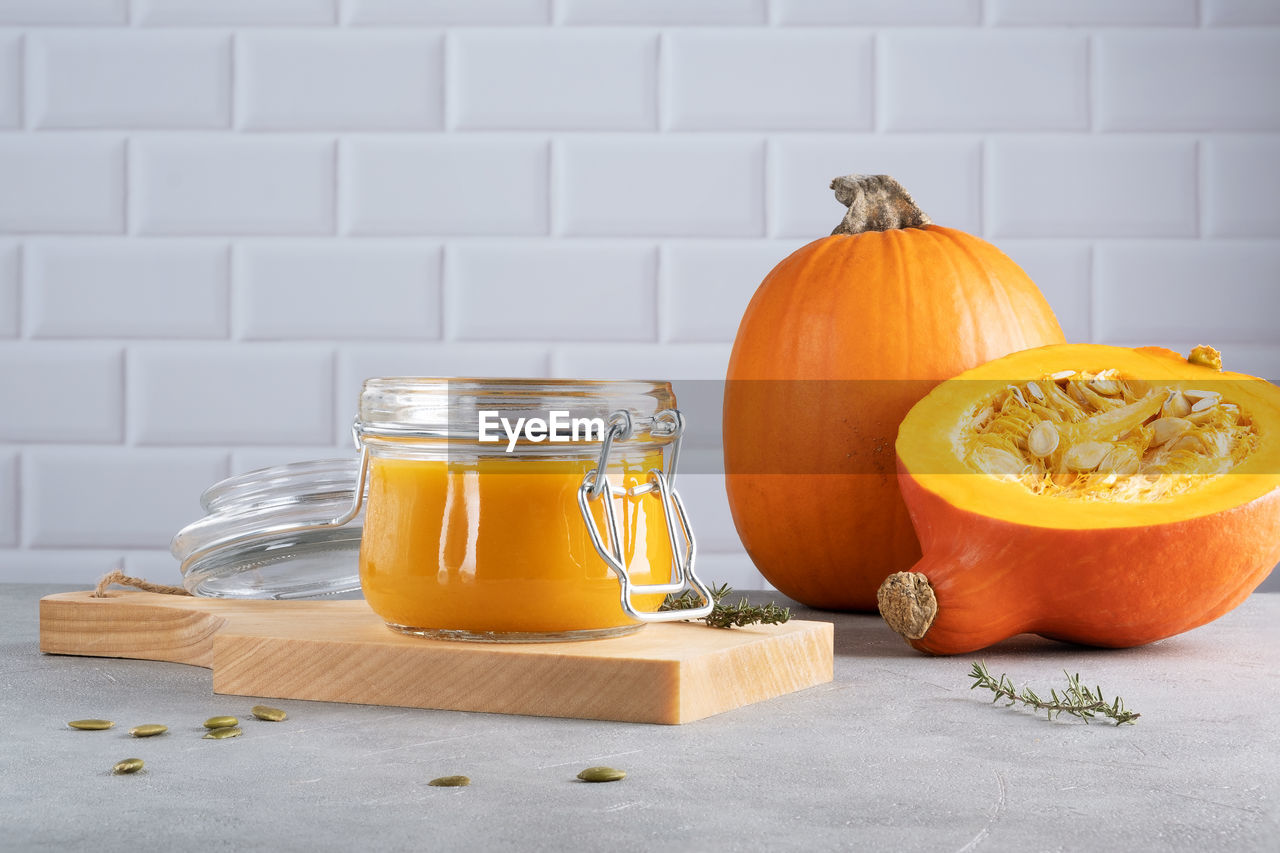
x=595 y=483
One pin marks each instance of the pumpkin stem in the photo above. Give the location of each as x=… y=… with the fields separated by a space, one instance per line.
x=907 y=603
x=876 y=203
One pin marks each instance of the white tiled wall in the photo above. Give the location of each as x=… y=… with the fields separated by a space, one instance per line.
x=218 y=216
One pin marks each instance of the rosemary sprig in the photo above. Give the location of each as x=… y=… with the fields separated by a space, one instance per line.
x=1077 y=700
x=729 y=615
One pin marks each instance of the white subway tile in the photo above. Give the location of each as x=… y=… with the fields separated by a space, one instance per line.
x=67 y=392
x=661 y=12
x=348 y=80
x=878 y=12
x=1064 y=271
x=224 y=394
x=246 y=459
x=1260 y=360
x=1241 y=12
x=64 y=11
x=356 y=363
x=1104 y=12
x=708 y=285
x=1197 y=80
x=127 y=289
x=983 y=80
x=677 y=186
x=129 y=79
x=767 y=79
x=114 y=497
x=447 y=12
x=10 y=274
x=734 y=569
x=596 y=292
x=337 y=290
x=10 y=80
x=943 y=175
x=154 y=564
x=189 y=12
x=61 y=184
x=63 y=566
x=1091 y=187
x=1241 y=186
x=555 y=79
x=232 y=186
x=444 y=185
x=8 y=498
x=689 y=362
x=1197 y=292
x=707 y=503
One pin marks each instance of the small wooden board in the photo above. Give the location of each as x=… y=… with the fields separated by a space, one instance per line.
x=339 y=651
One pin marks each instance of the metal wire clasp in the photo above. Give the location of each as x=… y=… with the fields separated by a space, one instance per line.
x=595 y=483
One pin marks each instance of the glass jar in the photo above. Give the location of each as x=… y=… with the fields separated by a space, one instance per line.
x=478 y=529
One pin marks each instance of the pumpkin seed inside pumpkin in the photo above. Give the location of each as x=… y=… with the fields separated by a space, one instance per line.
x=1103 y=436
x=1043 y=439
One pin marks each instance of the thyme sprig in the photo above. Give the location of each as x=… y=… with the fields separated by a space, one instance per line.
x=1077 y=699
x=729 y=615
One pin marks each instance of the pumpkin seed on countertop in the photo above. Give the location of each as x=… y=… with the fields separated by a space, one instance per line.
x=223 y=732
x=221 y=722
x=450 y=782
x=129 y=765
x=266 y=712
x=91 y=725
x=602 y=774
x=148 y=730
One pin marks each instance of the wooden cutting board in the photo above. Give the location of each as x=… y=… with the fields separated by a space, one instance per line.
x=340 y=651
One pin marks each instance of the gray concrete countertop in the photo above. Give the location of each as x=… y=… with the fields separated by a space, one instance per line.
x=896 y=754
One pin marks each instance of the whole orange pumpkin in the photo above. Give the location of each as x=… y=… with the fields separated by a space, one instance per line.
x=838 y=343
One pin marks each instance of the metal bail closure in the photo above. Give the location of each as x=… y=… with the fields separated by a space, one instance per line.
x=668 y=422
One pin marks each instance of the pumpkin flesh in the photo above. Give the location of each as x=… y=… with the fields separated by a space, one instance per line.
x=1174 y=525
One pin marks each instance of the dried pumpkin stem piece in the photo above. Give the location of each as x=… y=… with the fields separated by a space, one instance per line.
x=907 y=603
x=1206 y=356
x=876 y=203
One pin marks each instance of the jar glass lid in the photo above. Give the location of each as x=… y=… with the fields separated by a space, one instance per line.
x=270 y=534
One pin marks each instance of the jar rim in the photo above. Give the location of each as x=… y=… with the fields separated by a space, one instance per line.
x=450 y=407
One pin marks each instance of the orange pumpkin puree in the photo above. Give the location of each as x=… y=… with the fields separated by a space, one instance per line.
x=499 y=545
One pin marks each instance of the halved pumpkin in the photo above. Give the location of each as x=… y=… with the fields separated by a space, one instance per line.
x=1087 y=493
